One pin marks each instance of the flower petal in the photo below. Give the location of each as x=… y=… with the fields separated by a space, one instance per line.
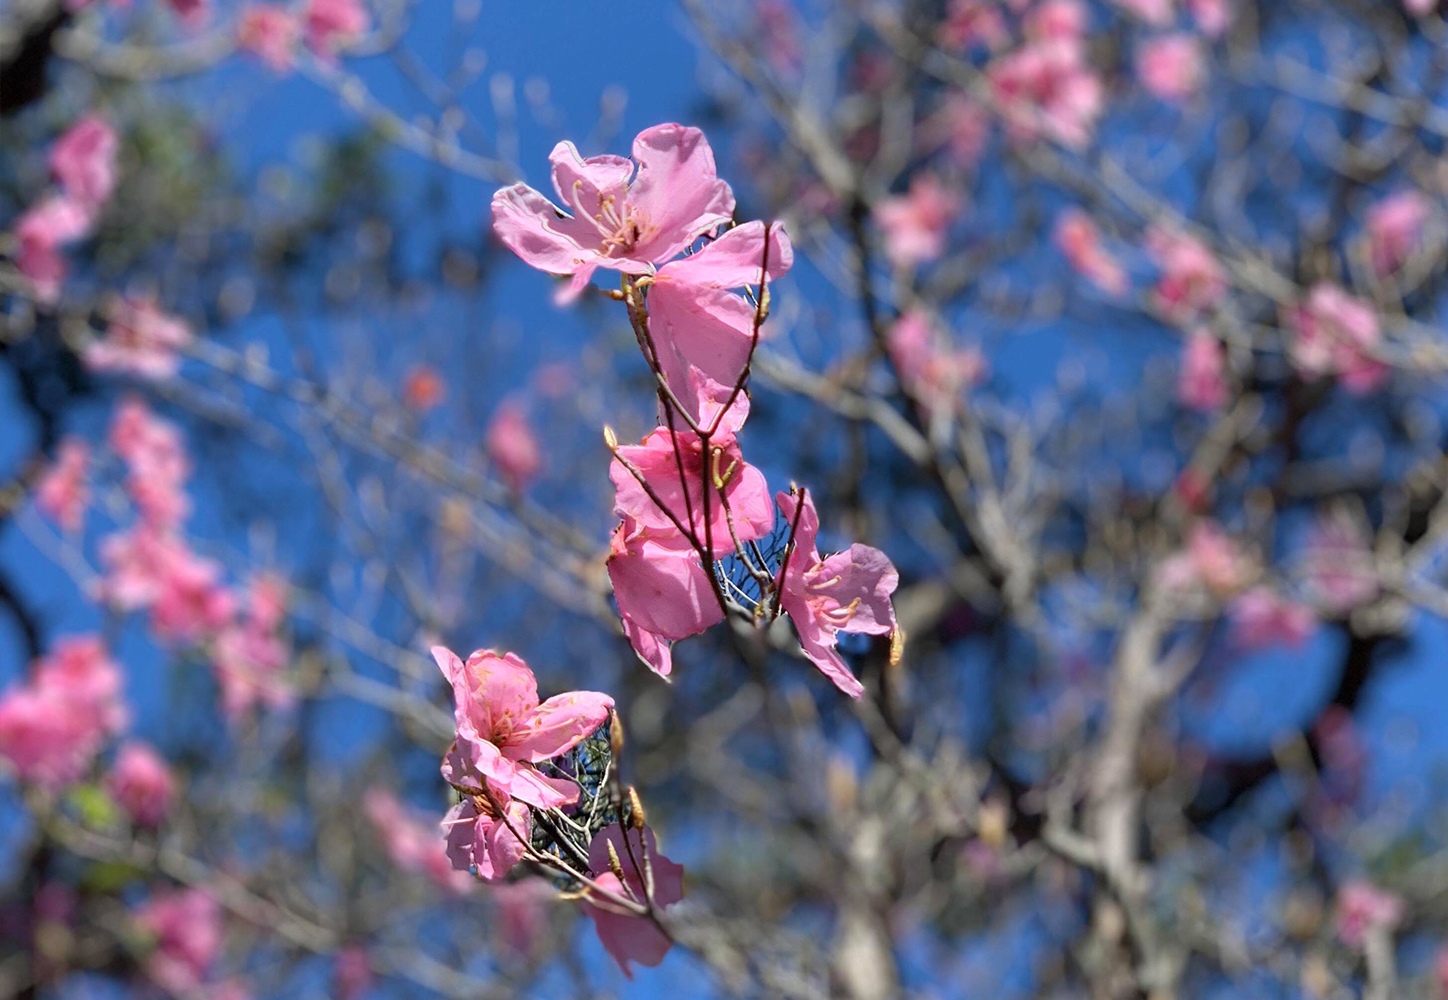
x=557 y=725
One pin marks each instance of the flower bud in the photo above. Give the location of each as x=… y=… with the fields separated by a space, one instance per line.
x=637 y=816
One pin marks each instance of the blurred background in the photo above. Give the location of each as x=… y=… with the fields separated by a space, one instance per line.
x=1118 y=326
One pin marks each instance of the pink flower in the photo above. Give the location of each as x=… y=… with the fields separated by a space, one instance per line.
x=190 y=12
x=186 y=926
x=1154 y=12
x=412 y=841
x=1057 y=20
x=629 y=938
x=351 y=972
x=1170 y=66
x=141 y=340
x=1212 y=16
x=663 y=593
x=1362 y=908
x=521 y=914
x=1440 y=970
x=969 y=23
x=658 y=459
x=82 y=676
x=502 y=729
x=1338 y=563
x=513 y=447
x=1046 y=88
x=1420 y=8
x=622 y=220
x=83 y=160
x=62 y=493
x=191 y=601
x=1202 y=383
x=156 y=459
x=931 y=373
x=962 y=127
x=1191 y=279
x=136 y=563
x=1395 y=228
x=697 y=322
x=44 y=741
x=142 y=783
x=1261 y=617
x=483 y=842
x=846 y=592
x=1210 y=559
x=1334 y=333
x=916 y=223
x=333 y=24
x=270 y=32
x=41 y=232
x=1077 y=237
x=249 y=656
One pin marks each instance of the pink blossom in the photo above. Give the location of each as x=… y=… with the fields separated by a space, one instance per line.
x=156 y=459
x=1420 y=8
x=250 y=656
x=142 y=783
x=1334 y=333
x=846 y=592
x=1202 y=382
x=502 y=729
x=484 y=842
x=962 y=127
x=1212 y=16
x=62 y=493
x=42 y=739
x=696 y=320
x=1046 y=88
x=41 y=232
x=1154 y=12
x=971 y=23
x=333 y=24
x=775 y=24
x=270 y=32
x=191 y=601
x=513 y=447
x=351 y=972
x=622 y=220
x=141 y=340
x=136 y=562
x=423 y=388
x=82 y=674
x=1170 y=66
x=916 y=224
x=1191 y=279
x=1338 y=563
x=629 y=938
x=1057 y=20
x=929 y=371
x=1077 y=237
x=191 y=12
x=662 y=590
x=522 y=917
x=1440 y=970
x=83 y=161
x=187 y=929
x=1362 y=908
x=1211 y=559
x=1395 y=228
x=412 y=841
x=1261 y=617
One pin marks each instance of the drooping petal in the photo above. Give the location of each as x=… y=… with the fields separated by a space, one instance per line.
x=532 y=228
x=677 y=192
x=734 y=259
x=855 y=584
x=708 y=329
x=629 y=938
x=557 y=725
x=503 y=842
x=653 y=649
x=660 y=588
x=819 y=645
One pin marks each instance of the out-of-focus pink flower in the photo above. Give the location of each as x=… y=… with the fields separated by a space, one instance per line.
x=1212 y=16
x=142 y=783
x=191 y=12
x=522 y=915
x=140 y=339
x=1440 y=970
x=187 y=928
x=1210 y=558
x=484 y=842
x=1057 y=20
x=423 y=388
x=629 y=938
x=52 y=727
x=961 y=126
x=83 y=161
x=846 y=592
x=1262 y=617
x=270 y=32
x=1395 y=228
x=502 y=729
x=1046 y=88
x=1420 y=8
x=136 y=561
x=1154 y=12
x=1338 y=563
x=1362 y=908
x=250 y=656
x=622 y=220
x=332 y=25
x=777 y=27
x=412 y=841
x=929 y=371
x=41 y=232
x=1077 y=237
x=62 y=493
x=83 y=676
x=192 y=602
x=1191 y=279
x=156 y=460
x=1170 y=66
x=662 y=590
x=916 y=224
x=1202 y=381
x=351 y=972
x=971 y=23
x=513 y=447
x=1334 y=333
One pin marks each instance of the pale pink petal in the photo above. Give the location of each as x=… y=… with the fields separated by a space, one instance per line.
x=532 y=228
x=677 y=192
x=734 y=259
x=860 y=573
x=557 y=725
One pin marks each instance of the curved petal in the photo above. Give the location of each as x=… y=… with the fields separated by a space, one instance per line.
x=539 y=234
x=860 y=574
x=460 y=830
x=653 y=649
x=522 y=782
x=558 y=725
x=806 y=530
x=734 y=259
x=677 y=192
x=819 y=646
x=587 y=183
x=662 y=591
x=498 y=846
x=697 y=327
